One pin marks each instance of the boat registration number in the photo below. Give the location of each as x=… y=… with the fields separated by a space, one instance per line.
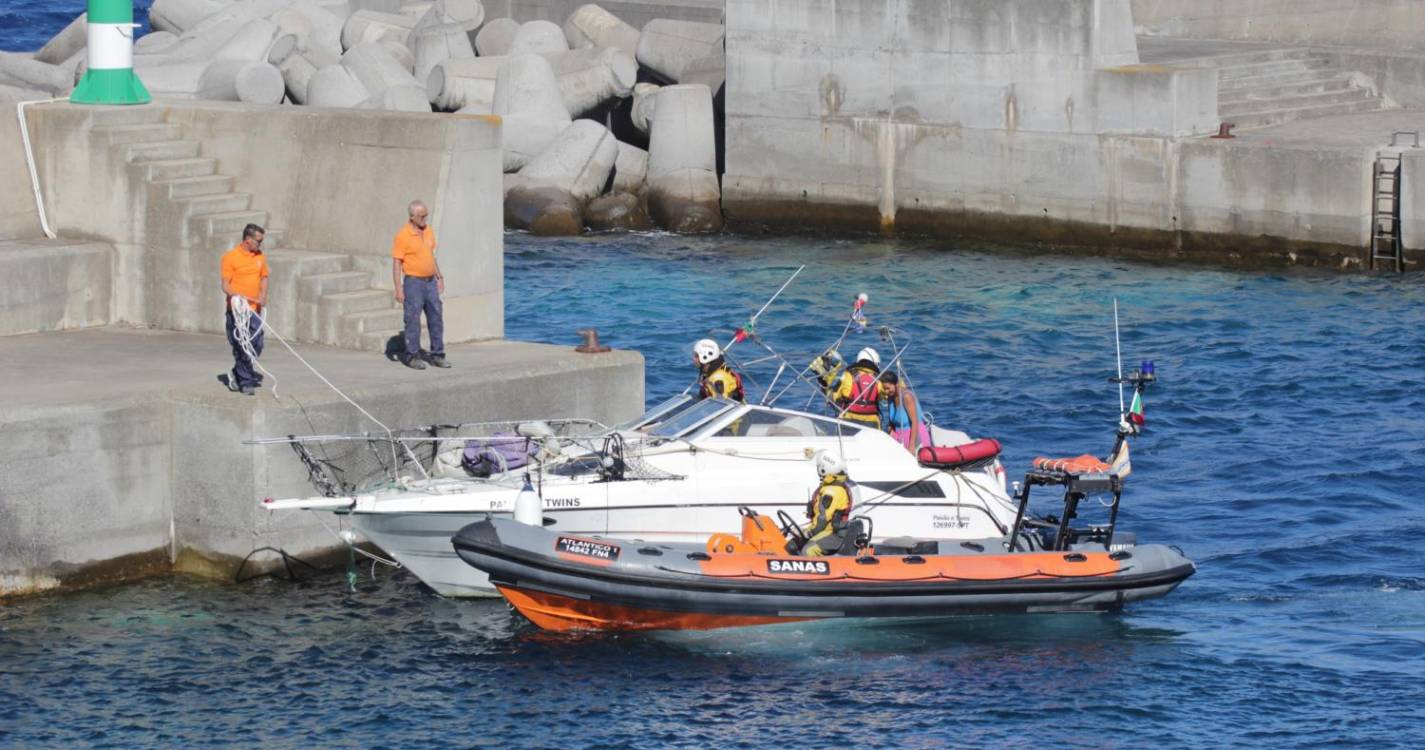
x=586 y=548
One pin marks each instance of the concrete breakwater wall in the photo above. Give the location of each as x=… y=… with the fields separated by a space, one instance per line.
x=1388 y=24
x=135 y=465
x=1032 y=122
x=170 y=185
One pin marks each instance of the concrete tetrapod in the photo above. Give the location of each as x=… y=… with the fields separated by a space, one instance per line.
x=316 y=27
x=435 y=43
x=590 y=77
x=667 y=47
x=63 y=45
x=467 y=14
x=592 y=26
x=542 y=209
x=527 y=98
x=389 y=85
x=221 y=80
x=616 y=211
x=579 y=161
x=178 y=16
x=542 y=37
x=684 y=195
x=258 y=39
x=297 y=72
x=630 y=169
x=464 y=85
x=155 y=43
x=21 y=71
x=494 y=38
x=404 y=57
x=371 y=26
x=643 y=101
x=335 y=86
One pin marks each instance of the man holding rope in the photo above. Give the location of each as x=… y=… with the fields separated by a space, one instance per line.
x=244 y=274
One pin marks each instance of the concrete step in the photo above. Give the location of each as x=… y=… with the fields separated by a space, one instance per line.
x=160 y=151
x=1261 y=56
x=1293 y=102
x=1279 y=116
x=151 y=132
x=334 y=306
x=353 y=327
x=1271 y=68
x=223 y=229
x=378 y=341
x=216 y=203
x=1319 y=86
x=172 y=169
x=191 y=187
x=301 y=263
x=316 y=285
x=1275 y=79
x=128 y=115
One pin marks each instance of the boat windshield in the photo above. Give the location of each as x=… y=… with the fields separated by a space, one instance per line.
x=662 y=412
x=693 y=418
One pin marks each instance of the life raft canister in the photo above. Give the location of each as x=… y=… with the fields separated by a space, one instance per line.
x=951 y=456
x=863 y=393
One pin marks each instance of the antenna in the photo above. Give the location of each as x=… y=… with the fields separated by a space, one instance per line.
x=1118 y=350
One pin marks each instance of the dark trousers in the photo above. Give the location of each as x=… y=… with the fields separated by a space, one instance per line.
x=421 y=296
x=242 y=366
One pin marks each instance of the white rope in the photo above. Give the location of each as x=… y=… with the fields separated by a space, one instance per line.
x=30 y=159
x=242 y=317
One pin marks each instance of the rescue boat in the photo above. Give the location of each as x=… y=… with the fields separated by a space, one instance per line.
x=563 y=581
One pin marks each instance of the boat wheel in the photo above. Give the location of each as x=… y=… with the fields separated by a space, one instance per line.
x=791 y=530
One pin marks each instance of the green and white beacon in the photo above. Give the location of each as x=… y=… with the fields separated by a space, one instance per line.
x=110 y=78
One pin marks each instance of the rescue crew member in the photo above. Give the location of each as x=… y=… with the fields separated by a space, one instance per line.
x=419 y=284
x=244 y=274
x=715 y=378
x=855 y=391
x=901 y=410
x=828 y=509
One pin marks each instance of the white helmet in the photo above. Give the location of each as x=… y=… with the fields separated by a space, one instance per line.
x=869 y=355
x=705 y=351
x=827 y=463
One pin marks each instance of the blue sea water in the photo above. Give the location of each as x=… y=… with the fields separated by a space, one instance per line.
x=1281 y=451
x=25 y=25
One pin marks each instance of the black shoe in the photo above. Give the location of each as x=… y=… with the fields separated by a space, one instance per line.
x=438 y=360
x=414 y=363
x=248 y=390
x=231 y=382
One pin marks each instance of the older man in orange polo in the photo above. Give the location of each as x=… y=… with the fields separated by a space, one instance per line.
x=419 y=284
x=244 y=274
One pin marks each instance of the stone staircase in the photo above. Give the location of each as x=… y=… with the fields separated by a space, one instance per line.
x=314 y=296
x=1265 y=88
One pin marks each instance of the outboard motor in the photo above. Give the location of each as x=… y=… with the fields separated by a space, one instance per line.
x=528 y=508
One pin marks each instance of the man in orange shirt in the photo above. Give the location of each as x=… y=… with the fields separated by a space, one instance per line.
x=244 y=273
x=419 y=284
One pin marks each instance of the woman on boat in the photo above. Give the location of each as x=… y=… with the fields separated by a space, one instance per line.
x=901 y=410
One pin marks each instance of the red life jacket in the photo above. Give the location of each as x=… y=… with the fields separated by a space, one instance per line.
x=863 y=392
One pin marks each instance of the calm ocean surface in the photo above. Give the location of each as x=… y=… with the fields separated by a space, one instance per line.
x=1280 y=451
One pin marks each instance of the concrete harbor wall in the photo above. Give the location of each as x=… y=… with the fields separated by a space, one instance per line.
x=1386 y=24
x=635 y=12
x=138 y=467
x=18 y=216
x=322 y=181
x=867 y=115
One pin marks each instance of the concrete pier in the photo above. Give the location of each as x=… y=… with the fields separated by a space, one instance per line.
x=1042 y=120
x=123 y=456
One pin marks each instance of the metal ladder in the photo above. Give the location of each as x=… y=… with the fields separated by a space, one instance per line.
x=1387 y=252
